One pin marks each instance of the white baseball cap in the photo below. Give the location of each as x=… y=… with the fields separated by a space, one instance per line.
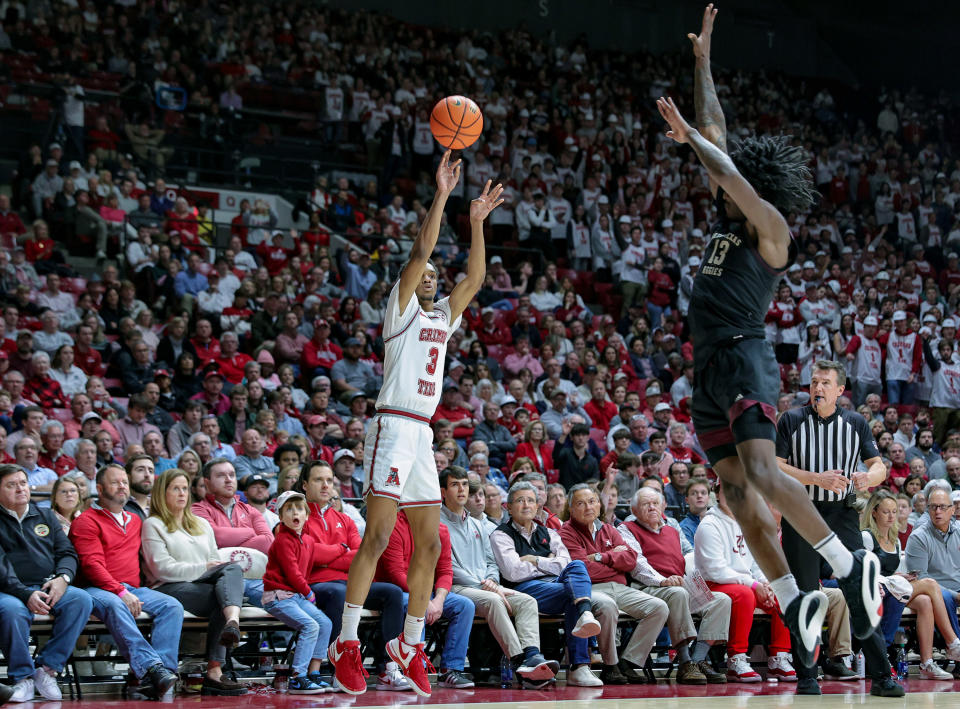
x=285 y=497
x=899 y=315
x=870 y=320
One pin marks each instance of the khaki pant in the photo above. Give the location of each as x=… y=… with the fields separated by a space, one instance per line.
x=714 y=617
x=609 y=600
x=838 y=620
x=512 y=634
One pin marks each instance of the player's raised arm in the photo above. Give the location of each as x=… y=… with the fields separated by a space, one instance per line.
x=710 y=120
x=772 y=229
x=466 y=289
x=447 y=177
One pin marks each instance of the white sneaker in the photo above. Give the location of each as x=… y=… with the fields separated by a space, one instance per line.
x=587 y=626
x=45 y=681
x=583 y=677
x=779 y=666
x=953 y=650
x=392 y=679
x=931 y=670
x=739 y=670
x=23 y=691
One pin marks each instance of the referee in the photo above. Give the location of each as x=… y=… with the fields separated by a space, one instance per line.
x=822 y=446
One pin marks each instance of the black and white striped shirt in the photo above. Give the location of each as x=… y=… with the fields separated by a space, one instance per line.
x=839 y=442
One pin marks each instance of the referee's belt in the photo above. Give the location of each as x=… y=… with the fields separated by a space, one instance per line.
x=847 y=500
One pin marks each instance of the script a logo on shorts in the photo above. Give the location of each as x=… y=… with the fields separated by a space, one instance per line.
x=393 y=479
x=243 y=558
x=41 y=530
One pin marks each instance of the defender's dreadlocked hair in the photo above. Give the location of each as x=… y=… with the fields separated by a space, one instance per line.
x=777 y=170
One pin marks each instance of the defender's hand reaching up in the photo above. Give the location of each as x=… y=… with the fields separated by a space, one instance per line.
x=679 y=128
x=701 y=42
x=488 y=200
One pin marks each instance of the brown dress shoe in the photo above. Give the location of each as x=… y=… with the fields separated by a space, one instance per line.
x=713 y=677
x=689 y=673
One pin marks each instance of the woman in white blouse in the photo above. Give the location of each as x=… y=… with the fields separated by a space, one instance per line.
x=71 y=378
x=181 y=559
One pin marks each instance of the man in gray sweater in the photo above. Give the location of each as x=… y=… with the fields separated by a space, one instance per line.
x=476 y=576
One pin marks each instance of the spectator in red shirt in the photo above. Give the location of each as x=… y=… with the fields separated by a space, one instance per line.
x=230 y=361
x=51 y=456
x=457 y=610
x=273 y=255
x=600 y=410
x=490 y=331
x=84 y=356
x=899 y=469
x=107 y=540
x=677 y=435
x=536 y=448
x=320 y=354
x=203 y=341
x=290 y=342
x=660 y=291
x=40 y=247
x=451 y=410
x=41 y=387
x=11 y=226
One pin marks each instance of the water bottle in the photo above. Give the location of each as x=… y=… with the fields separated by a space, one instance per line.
x=266 y=657
x=861 y=666
x=506 y=673
x=902 y=667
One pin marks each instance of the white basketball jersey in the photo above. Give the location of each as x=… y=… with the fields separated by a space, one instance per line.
x=415 y=344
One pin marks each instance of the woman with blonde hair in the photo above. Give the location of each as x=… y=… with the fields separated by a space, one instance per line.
x=67 y=501
x=879 y=524
x=190 y=463
x=181 y=559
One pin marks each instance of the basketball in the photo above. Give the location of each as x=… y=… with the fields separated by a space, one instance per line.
x=456 y=122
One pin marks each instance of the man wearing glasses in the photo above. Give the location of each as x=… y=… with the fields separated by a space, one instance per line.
x=933 y=550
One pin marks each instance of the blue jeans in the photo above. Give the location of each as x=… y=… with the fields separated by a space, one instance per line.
x=951 y=604
x=458 y=611
x=656 y=313
x=167 y=614
x=556 y=595
x=313 y=626
x=384 y=597
x=892 y=610
x=70 y=614
x=900 y=391
x=253 y=590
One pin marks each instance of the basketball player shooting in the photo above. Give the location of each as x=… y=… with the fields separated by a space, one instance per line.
x=736 y=377
x=398 y=452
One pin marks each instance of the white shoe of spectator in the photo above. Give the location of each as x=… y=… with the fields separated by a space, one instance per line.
x=931 y=670
x=392 y=679
x=739 y=670
x=45 y=681
x=583 y=677
x=23 y=691
x=587 y=626
x=779 y=666
x=953 y=650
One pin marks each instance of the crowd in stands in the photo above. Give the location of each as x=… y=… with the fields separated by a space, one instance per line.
x=179 y=394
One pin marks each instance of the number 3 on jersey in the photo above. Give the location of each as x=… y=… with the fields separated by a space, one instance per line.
x=434 y=354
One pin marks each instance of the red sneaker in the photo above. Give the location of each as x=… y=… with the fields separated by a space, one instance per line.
x=413 y=662
x=348 y=666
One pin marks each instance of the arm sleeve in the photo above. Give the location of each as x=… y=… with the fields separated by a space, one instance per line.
x=293 y=569
x=711 y=560
x=394 y=563
x=9 y=581
x=918 y=355
x=932 y=361
x=443 y=577
x=342 y=563
x=227 y=535
x=493 y=571
x=853 y=345
x=916 y=558
x=508 y=560
x=784 y=431
x=624 y=561
x=561 y=557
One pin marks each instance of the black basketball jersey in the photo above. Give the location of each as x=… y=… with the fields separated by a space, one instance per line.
x=731 y=292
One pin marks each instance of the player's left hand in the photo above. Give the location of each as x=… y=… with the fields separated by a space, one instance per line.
x=488 y=200
x=679 y=128
x=861 y=480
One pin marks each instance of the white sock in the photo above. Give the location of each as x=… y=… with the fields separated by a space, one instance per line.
x=785 y=589
x=350 y=622
x=412 y=630
x=837 y=555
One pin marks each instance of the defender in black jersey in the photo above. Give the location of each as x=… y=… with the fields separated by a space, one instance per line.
x=735 y=380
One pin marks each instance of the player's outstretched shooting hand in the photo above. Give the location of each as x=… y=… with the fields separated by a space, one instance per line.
x=447 y=174
x=679 y=128
x=488 y=200
x=701 y=42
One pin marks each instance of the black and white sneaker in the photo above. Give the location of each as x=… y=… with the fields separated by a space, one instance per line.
x=455 y=679
x=861 y=589
x=804 y=618
x=538 y=684
x=837 y=671
x=537 y=668
x=886 y=687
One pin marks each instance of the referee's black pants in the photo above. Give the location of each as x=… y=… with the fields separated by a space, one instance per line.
x=808 y=567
